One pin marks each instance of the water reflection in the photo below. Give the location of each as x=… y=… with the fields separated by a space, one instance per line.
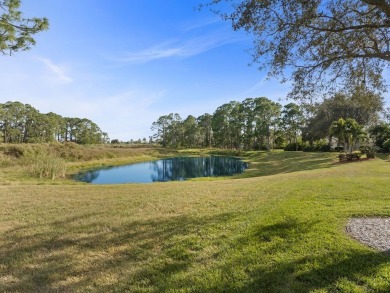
x=165 y=170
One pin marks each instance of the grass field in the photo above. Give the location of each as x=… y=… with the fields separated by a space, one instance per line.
x=279 y=227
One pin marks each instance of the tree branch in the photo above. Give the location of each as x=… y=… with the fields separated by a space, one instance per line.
x=382 y=5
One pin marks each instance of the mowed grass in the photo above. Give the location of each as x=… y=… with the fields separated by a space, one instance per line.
x=281 y=232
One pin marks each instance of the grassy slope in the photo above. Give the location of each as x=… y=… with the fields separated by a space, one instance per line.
x=279 y=233
x=14 y=159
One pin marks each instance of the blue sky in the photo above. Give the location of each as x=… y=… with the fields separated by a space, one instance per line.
x=124 y=63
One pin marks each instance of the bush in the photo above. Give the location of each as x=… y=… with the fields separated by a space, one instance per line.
x=370 y=152
x=386 y=145
x=293 y=147
x=318 y=146
x=16 y=151
x=349 y=157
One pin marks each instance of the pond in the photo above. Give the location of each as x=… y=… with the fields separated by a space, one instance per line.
x=173 y=169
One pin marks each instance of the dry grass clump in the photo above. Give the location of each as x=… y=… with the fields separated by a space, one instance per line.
x=6 y=161
x=46 y=165
x=72 y=152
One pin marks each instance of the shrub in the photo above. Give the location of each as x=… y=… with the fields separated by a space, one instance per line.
x=325 y=148
x=370 y=152
x=318 y=146
x=349 y=157
x=386 y=145
x=308 y=148
x=293 y=147
x=16 y=151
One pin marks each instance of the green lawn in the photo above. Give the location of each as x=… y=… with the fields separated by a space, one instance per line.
x=281 y=232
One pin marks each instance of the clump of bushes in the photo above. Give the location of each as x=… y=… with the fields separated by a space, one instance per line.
x=16 y=151
x=370 y=152
x=45 y=165
x=317 y=146
x=386 y=146
x=350 y=156
x=295 y=146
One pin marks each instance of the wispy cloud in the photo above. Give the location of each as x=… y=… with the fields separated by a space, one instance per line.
x=201 y=24
x=255 y=87
x=181 y=49
x=58 y=72
x=270 y=88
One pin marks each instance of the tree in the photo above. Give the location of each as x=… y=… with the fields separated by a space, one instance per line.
x=380 y=134
x=58 y=126
x=87 y=132
x=169 y=132
x=248 y=107
x=267 y=113
x=22 y=123
x=190 y=132
x=34 y=125
x=348 y=131
x=338 y=129
x=161 y=126
x=292 y=122
x=105 y=137
x=16 y=32
x=227 y=125
x=12 y=121
x=175 y=130
x=318 y=41
x=205 y=129
x=71 y=128
x=363 y=106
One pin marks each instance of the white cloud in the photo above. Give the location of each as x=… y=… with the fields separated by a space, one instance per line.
x=57 y=72
x=201 y=24
x=253 y=88
x=269 y=88
x=184 y=49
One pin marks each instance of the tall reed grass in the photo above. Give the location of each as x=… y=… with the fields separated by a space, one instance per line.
x=46 y=165
x=72 y=152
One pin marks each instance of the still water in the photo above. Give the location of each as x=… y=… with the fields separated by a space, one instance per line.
x=164 y=170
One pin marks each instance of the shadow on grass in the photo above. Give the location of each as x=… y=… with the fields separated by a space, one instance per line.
x=83 y=254
x=335 y=275
x=80 y=253
x=271 y=163
x=281 y=268
x=264 y=163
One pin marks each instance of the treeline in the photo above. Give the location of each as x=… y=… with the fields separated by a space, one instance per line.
x=259 y=123
x=255 y=123
x=22 y=123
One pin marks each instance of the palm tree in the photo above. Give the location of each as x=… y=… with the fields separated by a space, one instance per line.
x=338 y=129
x=353 y=130
x=348 y=131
